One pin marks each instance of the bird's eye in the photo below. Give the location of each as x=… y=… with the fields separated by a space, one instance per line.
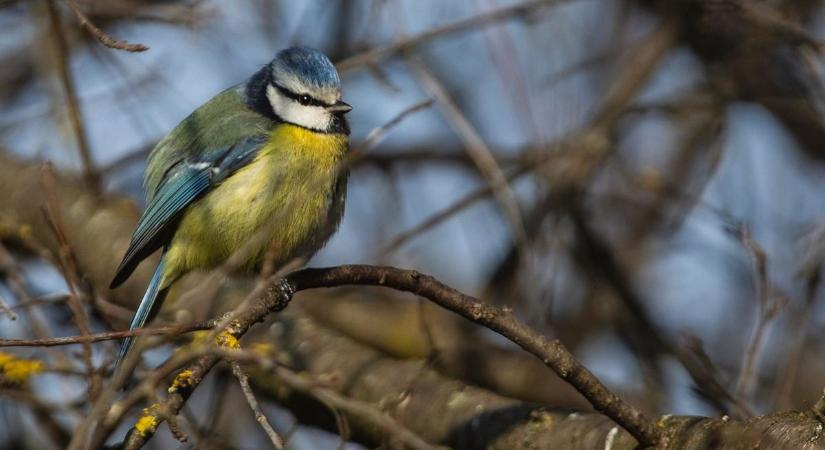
x=304 y=100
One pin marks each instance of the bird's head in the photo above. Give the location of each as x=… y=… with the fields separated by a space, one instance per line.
x=300 y=86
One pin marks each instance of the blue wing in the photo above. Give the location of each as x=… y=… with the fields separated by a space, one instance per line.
x=184 y=182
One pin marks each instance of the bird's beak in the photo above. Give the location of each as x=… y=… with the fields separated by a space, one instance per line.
x=339 y=108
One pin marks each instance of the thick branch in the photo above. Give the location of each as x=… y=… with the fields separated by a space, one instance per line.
x=551 y=352
x=471 y=418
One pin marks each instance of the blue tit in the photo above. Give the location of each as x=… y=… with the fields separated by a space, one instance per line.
x=253 y=170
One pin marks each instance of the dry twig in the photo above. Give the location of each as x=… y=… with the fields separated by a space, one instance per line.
x=71 y=274
x=170 y=330
x=101 y=35
x=371 y=57
x=5 y=309
x=377 y=134
x=477 y=149
x=275 y=438
x=768 y=307
x=363 y=411
x=61 y=50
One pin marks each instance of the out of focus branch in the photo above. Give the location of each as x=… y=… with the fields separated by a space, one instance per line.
x=581 y=153
x=769 y=306
x=394 y=325
x=476 y=148
x=598 y=257
x=61 y=51
x=101 y=35
x=360 y=410
x=373 y=56
x=377 y=134
x=736 y=39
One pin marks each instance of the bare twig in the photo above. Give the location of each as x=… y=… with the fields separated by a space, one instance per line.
x=276 y=439
x=61 y=50
x=371 y=57
x=101 y=35
x=5 y=309
x=769 y=305
x=478 y=150
x=601 y=259
x=377 y=134
x=812 y=274
x=363 y=411
x=72 y=276
x=170 y=330
x=642 y=62
x=19 y=286
x=505 y=60
x=441 y=216
x=529 y=161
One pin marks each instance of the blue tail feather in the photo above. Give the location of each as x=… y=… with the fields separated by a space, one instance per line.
x=151 y=299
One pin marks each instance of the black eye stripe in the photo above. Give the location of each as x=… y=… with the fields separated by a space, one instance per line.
x=297 y=97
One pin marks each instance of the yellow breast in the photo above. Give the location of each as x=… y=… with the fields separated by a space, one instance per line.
x=281 y=200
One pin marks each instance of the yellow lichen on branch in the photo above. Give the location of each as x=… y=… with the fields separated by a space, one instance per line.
x=182 y=380
x=17 y=371
x=227 y=339
x=224 y=339
x=148 y=422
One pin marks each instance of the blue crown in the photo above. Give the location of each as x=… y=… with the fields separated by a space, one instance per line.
x=311 y=66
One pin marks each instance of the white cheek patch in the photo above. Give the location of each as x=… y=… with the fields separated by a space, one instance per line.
x=308 y=116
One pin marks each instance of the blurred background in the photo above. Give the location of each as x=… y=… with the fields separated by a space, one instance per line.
x=662 y=212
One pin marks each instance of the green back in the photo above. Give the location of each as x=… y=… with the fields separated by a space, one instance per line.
x=221 y=122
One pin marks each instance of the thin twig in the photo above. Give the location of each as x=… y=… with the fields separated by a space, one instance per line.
x=5 y=309
x=396 y=432
x=505 y=60
x=441 y=216
x=372 y=56
x=101 y=35
x=377 y=134
x=601 y=259
x=170 y=330
x=260 y=417
x=478 y=150
x=768 y=308
x=58 y=37
x=19 y=286
x=642 y=61
x=568 y=152
x=71 y=274
x=812 y=274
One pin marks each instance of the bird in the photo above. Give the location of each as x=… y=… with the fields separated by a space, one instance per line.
x=256 y=169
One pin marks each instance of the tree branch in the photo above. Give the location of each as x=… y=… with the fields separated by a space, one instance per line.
x=372 y=56
x=101 y=35
x=551 y=352
x=278 y=294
